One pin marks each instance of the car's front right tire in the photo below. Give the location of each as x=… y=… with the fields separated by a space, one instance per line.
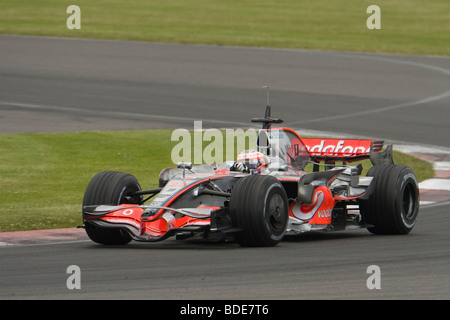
x=259 y=207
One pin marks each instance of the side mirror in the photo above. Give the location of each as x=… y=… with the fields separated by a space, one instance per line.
x=184 y=165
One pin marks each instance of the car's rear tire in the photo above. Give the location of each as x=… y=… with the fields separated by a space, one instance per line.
x=110 y=188
x=393 y=206
x=259 y=207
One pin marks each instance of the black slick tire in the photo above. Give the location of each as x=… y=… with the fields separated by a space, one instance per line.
x=259 y=207
x=109 y=188
x=393 y=206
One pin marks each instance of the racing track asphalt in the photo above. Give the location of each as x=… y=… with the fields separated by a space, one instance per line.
x=53 y=85
x=320 y=266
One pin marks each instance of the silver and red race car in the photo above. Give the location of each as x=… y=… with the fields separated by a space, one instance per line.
x=263 y=196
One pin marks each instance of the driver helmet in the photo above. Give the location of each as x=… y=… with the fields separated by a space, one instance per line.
x=255 y=161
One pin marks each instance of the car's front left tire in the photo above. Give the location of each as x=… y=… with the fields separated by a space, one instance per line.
x=110 y=188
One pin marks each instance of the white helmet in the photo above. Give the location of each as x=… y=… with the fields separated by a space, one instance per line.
x=253 y=160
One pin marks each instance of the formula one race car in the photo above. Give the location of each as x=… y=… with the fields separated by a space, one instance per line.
x=263 y=196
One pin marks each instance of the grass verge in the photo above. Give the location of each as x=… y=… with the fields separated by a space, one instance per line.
x=43 y=176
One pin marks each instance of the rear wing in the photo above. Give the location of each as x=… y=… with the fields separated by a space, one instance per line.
x=346 y=150
x=296 y=150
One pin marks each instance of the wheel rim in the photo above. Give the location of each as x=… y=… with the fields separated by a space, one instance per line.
x=126 y=195
x=275 y=209
x=409 y=201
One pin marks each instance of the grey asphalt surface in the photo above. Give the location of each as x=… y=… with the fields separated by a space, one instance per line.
x=55 y=85
x=314 y=266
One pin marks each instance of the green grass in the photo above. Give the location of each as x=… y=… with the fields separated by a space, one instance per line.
x=411 y=27
x=43 y=176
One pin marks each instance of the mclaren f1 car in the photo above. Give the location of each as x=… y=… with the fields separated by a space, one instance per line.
x=262 y=196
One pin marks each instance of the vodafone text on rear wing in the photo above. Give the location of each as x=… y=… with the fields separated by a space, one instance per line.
x=348 y=150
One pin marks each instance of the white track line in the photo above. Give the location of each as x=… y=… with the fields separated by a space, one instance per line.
x=118 y=113
x=437 y=97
